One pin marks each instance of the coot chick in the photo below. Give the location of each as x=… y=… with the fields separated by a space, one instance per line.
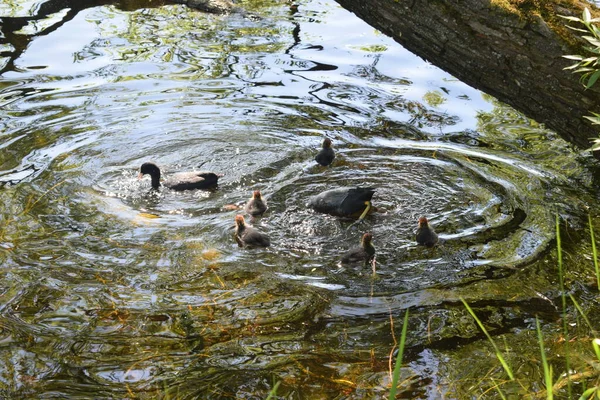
x=256 y=205
x=247 y=236
x=326 y=155
x=344 y=202
x=180 y=181
x=425 y=233
x=362 y=254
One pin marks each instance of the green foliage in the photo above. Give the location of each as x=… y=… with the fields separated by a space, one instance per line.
x=273 y=391
x=594 y=391
x=591 y=393
x=561 y=280
x=588 y=67
x=396 y=374
x=594 y=250
x=505 y=365
x=545 y=364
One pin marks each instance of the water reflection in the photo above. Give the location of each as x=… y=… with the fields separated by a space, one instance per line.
x=110 y=289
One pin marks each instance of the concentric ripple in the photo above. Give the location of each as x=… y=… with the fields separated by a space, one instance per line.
x=109 y=289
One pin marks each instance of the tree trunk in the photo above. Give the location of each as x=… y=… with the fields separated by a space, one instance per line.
x=512 y=55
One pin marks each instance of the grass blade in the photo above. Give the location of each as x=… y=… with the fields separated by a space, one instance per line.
x=585 y=318
x=561 y=279
x=588 y=394
x=273 y=391
x=594 y=251
x=396 y=374
x=497 y=387
x=547 y=367
x=596 y=345
x=498 y=354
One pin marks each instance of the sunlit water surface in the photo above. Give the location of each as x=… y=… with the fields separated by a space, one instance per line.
x=111 y=290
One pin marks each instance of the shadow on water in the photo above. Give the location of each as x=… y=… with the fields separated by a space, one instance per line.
x=110 y=289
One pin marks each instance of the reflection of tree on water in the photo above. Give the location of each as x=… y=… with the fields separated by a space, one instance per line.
x=514 y=54
x=10 y=27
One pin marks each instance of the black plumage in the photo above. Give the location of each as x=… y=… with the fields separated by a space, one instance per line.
x=425 y=233
x=343 y=202
x=326 y=155
x=181 y=180
x=256 y=205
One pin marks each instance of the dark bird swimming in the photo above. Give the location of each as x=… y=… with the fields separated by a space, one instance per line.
x=181 y=180
x=344 y=202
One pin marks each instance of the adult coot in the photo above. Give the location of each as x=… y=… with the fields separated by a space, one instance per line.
x=344 y=202
x=326 y=155
x=256 y=205
x=247 y=236
x=362 y=254
x=425 y=233
x=181 y=180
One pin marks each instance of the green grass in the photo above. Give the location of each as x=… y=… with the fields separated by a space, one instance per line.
x=593 y=392
x=497 y=387
x=585 y=318
x=594 y=251
x=505 y=365
x=563 y=297
x=273 y=391
x=396 y=373
x=547 y=367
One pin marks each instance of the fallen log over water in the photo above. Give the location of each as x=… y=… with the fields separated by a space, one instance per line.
x=514 y=54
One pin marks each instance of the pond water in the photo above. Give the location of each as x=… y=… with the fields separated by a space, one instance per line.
x=111 y=290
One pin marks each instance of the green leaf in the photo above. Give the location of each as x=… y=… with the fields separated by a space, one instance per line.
x=577 y=29
x=595 y=121
x=595 y=147
x=586 y=16
x=593 y=79
x=596 y=345
x=592 y=40
x=588 y=393
x=571 y=18
x=574 y=57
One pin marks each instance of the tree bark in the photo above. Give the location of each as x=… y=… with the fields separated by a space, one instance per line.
x=511 y=55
